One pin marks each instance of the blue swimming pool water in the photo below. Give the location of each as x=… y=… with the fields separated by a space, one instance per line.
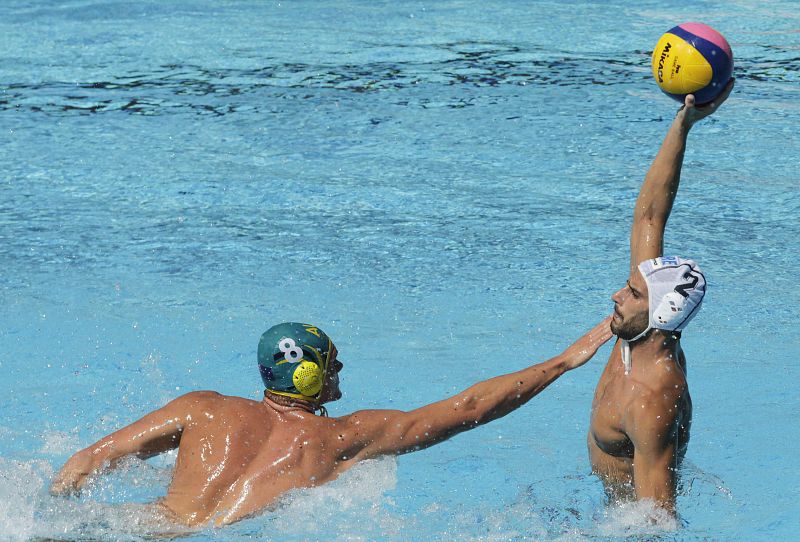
x=445 y=188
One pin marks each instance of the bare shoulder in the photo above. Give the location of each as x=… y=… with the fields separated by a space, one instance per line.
x=364 y=426
x=202 y=395
x=664 y=378
x=661 y=399
x=368 y=418
x=199 y=397
x=208 y=400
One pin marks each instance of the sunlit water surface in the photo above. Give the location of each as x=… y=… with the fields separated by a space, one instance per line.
x=446 y=188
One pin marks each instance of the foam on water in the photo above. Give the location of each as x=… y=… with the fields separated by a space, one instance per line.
x=358 y=498
x=28 y=511
x=59 y=443
x=21 y=485
x=638 y=519
x=362 y=504
x=104 y=509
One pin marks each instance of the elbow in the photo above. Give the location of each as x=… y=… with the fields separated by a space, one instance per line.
x=645 y=214
x=651 y=213
x=480 y=415
x=471 y=413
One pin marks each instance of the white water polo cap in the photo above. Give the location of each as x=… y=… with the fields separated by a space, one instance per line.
x=675 y=292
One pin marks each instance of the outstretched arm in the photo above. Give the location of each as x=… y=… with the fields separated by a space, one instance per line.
x=371 y=433
x=155 y=433
x=654 y=204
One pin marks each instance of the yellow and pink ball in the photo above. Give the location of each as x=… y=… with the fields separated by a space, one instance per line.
x=692 y=58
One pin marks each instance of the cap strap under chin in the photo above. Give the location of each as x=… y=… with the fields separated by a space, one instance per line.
x=642 y=334
x=625 y=349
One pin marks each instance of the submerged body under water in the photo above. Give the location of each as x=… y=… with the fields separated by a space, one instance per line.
x=446 y=190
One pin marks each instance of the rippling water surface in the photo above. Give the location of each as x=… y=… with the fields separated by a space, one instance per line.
x=444 y=187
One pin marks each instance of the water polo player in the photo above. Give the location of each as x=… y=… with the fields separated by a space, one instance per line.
x=641 y=413
x=237 y=456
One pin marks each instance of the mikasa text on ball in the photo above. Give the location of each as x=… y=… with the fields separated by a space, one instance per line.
x=692 y=58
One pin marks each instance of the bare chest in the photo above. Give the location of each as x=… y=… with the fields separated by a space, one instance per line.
x=614 y=396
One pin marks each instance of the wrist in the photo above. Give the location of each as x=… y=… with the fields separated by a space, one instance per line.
x=681 y=125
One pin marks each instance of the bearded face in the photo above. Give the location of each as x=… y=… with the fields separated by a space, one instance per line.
x=631 y=309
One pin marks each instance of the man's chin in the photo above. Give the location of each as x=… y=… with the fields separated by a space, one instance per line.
x=621 y=332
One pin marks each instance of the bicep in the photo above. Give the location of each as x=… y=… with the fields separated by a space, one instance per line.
x=654 y=476
x=371 y=433
x=655 y=459
x=395 y=432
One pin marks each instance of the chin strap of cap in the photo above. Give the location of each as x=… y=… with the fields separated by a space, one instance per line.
x=626 y=349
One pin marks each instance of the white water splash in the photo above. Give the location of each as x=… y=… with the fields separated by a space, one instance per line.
x=638 y=519
x=28 y=511
x=59 y=443
x=358 y=495
x=21 y=483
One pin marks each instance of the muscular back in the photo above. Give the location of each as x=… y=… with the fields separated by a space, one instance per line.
x=236 y=456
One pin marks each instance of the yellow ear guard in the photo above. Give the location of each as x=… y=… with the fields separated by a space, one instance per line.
x=307 y=378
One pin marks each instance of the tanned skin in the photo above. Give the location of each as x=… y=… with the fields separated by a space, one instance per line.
x=640 y=421
x=236 y=457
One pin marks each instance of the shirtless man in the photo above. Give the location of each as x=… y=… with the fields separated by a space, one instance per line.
x=642 y=411
x=237 y=456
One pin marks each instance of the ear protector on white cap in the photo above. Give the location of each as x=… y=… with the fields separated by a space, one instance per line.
x=671 y=308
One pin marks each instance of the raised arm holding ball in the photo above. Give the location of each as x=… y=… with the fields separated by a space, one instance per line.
x=641 y=412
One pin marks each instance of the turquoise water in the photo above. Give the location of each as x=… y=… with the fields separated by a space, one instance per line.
x=445 y=188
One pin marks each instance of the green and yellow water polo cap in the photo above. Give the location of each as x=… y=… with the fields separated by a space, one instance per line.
x=293 y=359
